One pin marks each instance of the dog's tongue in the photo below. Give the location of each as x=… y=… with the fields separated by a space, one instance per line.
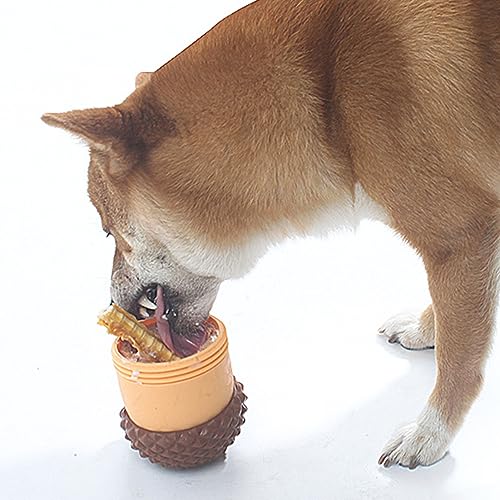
x=178 y=344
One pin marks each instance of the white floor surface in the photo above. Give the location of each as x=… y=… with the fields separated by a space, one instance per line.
x=325 y=392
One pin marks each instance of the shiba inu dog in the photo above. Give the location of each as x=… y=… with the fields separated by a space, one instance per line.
x=290 y=117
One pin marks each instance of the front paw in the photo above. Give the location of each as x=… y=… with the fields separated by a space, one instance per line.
x=408 y=331
x=417 y=444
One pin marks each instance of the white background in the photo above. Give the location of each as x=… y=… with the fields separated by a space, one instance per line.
x=325 y=393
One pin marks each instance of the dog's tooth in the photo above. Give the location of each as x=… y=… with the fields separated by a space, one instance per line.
x=145 y=302
x=143 y=312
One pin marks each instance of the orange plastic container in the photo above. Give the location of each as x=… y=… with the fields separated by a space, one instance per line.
x=178 y=395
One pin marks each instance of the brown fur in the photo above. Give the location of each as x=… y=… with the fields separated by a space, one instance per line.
x=282 y=108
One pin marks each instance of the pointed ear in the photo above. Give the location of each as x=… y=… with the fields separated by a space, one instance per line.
x=98 y=126
x=125 y=131
x=142 y=78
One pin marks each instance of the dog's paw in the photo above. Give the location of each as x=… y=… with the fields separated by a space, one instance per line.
x=408 y=331
x=424 y=442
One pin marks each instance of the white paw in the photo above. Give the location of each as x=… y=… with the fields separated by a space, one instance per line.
x=406 y=330
x=424 y=442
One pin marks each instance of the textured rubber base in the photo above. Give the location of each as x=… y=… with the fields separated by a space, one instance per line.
x=192 y=447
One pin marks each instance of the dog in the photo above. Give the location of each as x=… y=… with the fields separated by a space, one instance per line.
x=290 y=117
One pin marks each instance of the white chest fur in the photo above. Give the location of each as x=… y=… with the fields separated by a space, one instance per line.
x=234 y=261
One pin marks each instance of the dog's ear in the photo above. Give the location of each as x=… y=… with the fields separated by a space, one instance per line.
x=98 y=126
x=142 y=78
x=125 y=132
x=104 y=129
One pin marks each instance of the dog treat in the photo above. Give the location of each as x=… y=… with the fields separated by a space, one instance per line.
x=124 y=325
x=127 y=350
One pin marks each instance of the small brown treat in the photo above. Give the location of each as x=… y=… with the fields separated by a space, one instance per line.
x=193 y=447
x=127 y=350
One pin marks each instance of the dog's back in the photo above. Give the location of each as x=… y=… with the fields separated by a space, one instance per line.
x=417 y=87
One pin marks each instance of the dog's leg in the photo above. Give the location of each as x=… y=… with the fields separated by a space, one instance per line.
x=463 y=288
x=410 y=331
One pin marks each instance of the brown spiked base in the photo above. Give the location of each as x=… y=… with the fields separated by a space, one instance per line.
x=193 y=447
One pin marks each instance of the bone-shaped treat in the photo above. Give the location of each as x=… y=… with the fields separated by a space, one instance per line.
x=122 y=324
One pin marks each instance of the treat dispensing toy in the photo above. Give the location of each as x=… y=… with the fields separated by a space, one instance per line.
x=179 y=412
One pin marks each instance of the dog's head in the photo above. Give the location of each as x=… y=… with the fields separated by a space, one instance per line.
x=126 y=184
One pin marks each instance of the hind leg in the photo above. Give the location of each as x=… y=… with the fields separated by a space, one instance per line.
x=411 y=332
x=462 y=283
